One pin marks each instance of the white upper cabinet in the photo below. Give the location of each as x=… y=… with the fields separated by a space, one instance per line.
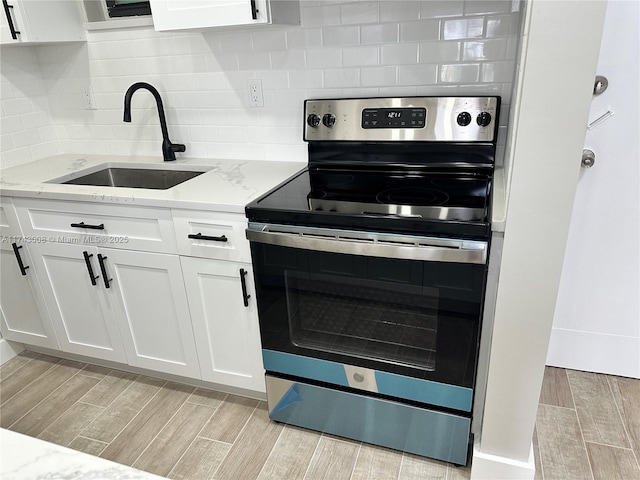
x=184 y=14
x=41 y=21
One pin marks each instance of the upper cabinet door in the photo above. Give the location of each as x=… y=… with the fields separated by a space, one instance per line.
x=183 y=14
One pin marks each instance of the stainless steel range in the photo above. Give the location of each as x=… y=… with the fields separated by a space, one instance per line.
x=370 y=268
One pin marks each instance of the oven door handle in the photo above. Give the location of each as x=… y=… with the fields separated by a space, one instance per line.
x=370 y=244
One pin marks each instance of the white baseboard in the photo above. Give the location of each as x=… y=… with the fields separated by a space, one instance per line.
x=594 y=352
x=8 y=350
x=493 y=467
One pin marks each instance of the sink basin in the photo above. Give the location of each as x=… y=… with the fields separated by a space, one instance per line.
x=135 y=178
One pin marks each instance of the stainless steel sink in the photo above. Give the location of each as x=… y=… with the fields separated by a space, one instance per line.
x=135 y=178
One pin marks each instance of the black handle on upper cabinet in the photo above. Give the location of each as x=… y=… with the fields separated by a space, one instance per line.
x=243 y=282
x=87 y=256
x=199 y=236
x=23 y=269
x=14 y=32
x=254 y=10
x=86 y=225
x=103 y=269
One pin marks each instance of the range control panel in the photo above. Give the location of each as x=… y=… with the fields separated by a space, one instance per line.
x=432 y=119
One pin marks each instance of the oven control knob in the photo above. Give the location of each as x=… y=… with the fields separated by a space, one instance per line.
x=328 y=120
x=313 y=120
x=484 y=119
x=464 y=119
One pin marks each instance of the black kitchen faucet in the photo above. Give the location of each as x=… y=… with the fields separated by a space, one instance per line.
x=168 y=148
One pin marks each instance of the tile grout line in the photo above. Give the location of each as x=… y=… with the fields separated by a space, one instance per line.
x=134 y=417
x=535 y=432
x=20 y=368
x=162 y=429
x=624 y=424
x=45 y=398
x=270 y=451
x=315 y=450
x=584 y=443
x=402 y=463
x=27 y=385
x=353 y=468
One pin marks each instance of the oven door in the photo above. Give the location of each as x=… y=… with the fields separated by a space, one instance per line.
x=397 y=315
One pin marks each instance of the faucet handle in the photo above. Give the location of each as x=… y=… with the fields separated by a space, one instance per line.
x=177 y=147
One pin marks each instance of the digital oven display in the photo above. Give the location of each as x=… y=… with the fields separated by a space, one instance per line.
x=394 y=118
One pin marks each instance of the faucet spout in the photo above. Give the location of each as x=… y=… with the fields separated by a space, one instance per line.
x=168 y=148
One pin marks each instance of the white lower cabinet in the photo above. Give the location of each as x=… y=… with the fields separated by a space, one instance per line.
x=226 y=331
x=79 y=307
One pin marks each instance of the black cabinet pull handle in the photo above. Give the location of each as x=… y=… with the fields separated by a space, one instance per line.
x=103 y=269
x=14 y=32
x=23 y=269
x=199 y=236
x=87 y=256
x=254 y=10
x=86 y=225
x=243 y=282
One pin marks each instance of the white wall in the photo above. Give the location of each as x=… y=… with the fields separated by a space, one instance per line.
x=342 y=48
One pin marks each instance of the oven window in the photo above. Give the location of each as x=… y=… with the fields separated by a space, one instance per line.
x=363 y=318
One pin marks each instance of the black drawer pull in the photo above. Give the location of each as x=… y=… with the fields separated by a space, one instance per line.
x=243 y=282
x=199 y=236
x=86 y=225
x=254 y=10
x=14 y=32
x=103 y=269
x=23 y=269
x=87 y=256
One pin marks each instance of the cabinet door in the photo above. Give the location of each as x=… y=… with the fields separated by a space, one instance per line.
x=227 y=332
x=150 y=304
x=180 y=14
x=79 y=310
x=25 y=317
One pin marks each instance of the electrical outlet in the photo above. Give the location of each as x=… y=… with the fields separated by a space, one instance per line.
x=89 y=101
x=256 y=99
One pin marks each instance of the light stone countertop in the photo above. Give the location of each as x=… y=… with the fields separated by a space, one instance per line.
x=226 y=186
x=28 y=458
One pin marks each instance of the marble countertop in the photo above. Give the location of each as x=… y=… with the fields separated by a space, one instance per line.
x=226 y=186
x=28 y=458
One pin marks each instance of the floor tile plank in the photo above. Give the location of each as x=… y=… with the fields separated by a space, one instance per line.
x=536 y=456
x=201 y=460
x=174 y=439
x=16 y=363
x=252 y=447
x=626 y=393
x=596 y=408
x=208 y=398
x=88 y=445
x=123 y=409
x=376 y=463
x=612 y=463
x=68 y=425
x=24 y=376
x=36 y=391
x=555 y=388
x=291 y=454
x=229 y=419
x=143 y=428
x=54 y=405
x=562 y=453
x=414 y=466
x=109 y=388
x=332 y=460
x=96 y=371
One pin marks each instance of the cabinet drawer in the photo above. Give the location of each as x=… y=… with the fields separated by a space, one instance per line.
x=211 y=235
x=116 y=226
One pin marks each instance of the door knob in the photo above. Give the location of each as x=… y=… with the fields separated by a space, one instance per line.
x=588 y=158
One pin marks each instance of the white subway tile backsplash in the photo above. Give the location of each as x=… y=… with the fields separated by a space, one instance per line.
x=459 y=73
x=359 y=13
x=401 y=54
x=417 y=74
x=360 y=56
x=342 y=48
x=463 y=28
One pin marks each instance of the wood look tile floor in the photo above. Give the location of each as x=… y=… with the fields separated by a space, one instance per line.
x=588 y=427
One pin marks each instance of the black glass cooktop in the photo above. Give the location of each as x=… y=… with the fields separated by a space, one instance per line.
x=430 y=203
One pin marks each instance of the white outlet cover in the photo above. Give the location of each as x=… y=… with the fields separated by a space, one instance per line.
x=256 y=98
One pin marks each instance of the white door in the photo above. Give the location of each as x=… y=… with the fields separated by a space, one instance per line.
x=227 y=331
x=79 y=308
x=24 y=317
x=597 y=319
x=150 y=305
